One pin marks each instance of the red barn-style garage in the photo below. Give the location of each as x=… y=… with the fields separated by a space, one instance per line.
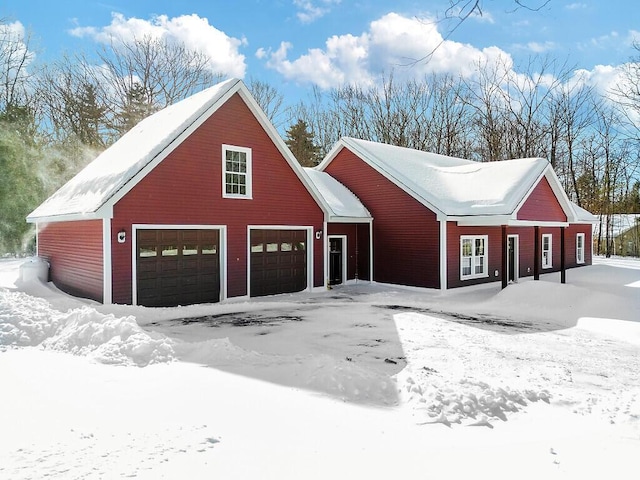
x=203 y=201
x=199 y=202
x=444 y=222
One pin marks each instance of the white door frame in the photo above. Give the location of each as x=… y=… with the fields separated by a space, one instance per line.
x=309 y=250
x=221 y=254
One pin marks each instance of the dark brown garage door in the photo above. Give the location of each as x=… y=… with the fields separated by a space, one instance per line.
x=178 y=267
x=278 y=261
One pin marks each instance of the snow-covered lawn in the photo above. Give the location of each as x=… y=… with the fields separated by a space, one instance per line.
x=540 y=380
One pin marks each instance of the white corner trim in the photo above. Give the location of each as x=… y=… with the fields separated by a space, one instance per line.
x=107 y=279
x=443 y=254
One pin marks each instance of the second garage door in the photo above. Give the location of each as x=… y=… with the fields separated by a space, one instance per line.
x=177 y=267
x=278 y=261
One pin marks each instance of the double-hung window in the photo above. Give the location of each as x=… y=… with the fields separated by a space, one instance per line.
x=547 y=261
x=236 y=172
x=473 y=257
x=580 y=248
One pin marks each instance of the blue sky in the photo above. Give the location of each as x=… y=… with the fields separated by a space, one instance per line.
x=295 y=44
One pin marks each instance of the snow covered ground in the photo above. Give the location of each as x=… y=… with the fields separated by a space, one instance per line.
x=540 y=380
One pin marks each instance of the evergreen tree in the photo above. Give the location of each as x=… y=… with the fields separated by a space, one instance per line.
x=300 y=142
x=135 y=109
x=20 y=184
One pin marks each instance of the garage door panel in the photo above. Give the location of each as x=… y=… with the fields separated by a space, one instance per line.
x=278 y=261
x=178 y=267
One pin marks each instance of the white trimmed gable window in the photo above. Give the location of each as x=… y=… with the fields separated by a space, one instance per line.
x=547 y=261
x=236 y=172
x=580 y=248
x=473 y=257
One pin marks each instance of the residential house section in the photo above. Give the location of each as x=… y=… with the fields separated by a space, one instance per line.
x=203 y=201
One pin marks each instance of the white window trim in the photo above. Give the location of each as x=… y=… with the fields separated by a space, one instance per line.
x=580 y=252
x=484 y=274
x=248 y=175
x=549 y=264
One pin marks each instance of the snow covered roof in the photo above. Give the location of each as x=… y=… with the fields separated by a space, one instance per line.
x=582 y=215
x=99 y=181
x=341 y=201
x=448 y=185
x=618 y=223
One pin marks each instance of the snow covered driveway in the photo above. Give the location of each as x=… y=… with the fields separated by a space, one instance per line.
x=305 y=386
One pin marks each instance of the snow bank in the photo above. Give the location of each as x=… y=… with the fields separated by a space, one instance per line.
x=441 y=384
x=30 y=321
x=618 y=329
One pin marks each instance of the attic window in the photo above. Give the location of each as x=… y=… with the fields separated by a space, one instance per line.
x=236 y=172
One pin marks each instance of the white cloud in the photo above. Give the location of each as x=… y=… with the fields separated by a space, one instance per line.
x=409 y=46
x=536 y=47
x=194 y=31
x=308 y=11
x=576 y=6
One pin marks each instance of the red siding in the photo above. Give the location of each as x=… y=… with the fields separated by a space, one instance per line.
x=542 y=205
x=357 y=247
x=406 y=234
x=526 y=250
x=186 y=188
x=494 y=252
x=74 y=251
x=571 y=241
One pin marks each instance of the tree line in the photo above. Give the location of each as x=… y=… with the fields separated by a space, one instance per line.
x=56 y=117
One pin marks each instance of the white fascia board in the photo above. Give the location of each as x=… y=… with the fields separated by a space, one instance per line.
x=335 y=219
x=481 y=220
x=533 y=223
x=499 y=220
x=66 y=218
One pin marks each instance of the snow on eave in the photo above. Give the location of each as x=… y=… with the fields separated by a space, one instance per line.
x=582 y=215
x=116 y=170
x=342 y=203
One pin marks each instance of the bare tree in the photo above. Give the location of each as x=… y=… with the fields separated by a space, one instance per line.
x=16 y=56
x=270 y=100
x=627 y=92
x=571 y=114
x=109 y=93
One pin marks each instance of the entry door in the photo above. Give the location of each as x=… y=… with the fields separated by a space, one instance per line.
x=512 y=250
x=337 y=259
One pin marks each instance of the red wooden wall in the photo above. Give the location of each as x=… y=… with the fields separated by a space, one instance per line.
x=406 y=235
x=74 y=251
x=527 y=259
x=542 y=205
x=357 y=247
x=186 y=188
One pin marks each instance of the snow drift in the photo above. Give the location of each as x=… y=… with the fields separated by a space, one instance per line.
x=30 y=321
